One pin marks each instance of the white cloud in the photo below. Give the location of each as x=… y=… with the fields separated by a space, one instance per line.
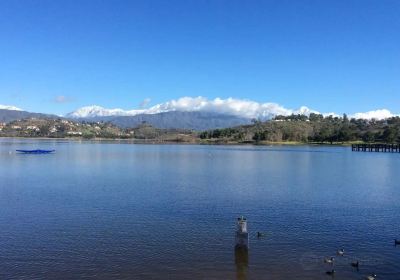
x=331 y=114
x=377 y=114
x=232 y=106
x=9 y=107
x=144 y=103
x=62 y=99
x=98 y=111
x=238 y=107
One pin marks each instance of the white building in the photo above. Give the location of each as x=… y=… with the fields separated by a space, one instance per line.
x=53 y=129
x=33 y=127
x=74 y=133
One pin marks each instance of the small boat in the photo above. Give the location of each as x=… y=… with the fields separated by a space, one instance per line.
x=37 y=151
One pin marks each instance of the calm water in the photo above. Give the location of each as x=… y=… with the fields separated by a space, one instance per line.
x=123 y=211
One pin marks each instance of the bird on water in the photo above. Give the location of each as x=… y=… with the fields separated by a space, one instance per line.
x=330 y=260
x=260 y=234
x=355 y=264
x=340 y=252
x=370 y=277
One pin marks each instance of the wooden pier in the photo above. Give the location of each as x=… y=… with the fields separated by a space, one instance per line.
x=385 y=148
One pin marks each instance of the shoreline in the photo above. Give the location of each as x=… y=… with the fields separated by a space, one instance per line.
x=201 y=142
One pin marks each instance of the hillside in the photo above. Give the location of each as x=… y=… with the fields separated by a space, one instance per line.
x=295 y=128
x=62 y=128
x=174 y=120
x=312 y=129
x=7 y=115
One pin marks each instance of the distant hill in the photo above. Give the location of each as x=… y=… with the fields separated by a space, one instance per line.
x=176 y=120
x=166 y=120
x=12 y=115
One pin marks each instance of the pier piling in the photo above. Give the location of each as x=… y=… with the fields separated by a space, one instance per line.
x=385 y=148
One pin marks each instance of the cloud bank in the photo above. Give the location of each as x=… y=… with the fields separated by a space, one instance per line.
x=230 y=106
x=377 y=114
x=9 y=107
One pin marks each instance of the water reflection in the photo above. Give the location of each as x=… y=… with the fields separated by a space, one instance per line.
x=242 y=262
x=104 y=209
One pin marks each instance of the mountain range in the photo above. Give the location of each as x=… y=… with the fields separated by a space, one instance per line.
x=8 y=115
x=197 y=113
x=174 y=119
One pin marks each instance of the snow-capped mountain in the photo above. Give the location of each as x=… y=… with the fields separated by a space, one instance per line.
x=177 y=120
x=241 y=108
x=189 y=112
x=98 y=111
x=230 y=106
x=197 y=113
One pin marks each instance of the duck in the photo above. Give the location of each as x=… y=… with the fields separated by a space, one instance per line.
x=396 y=242
x=355 y=264
x=370 y=277
x=260 y=234
x=330 y=260
x=340 y=252
x=331 y=272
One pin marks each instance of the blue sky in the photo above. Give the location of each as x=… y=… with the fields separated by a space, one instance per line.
x=330 y=55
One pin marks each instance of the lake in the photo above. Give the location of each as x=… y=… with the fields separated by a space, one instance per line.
x=121 y=211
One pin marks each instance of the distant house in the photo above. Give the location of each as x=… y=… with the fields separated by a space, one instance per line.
x=16 y=127
x=74 y=133
x=33 y=128
x=53 y=129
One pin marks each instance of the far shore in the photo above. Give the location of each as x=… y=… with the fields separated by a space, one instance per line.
x=196 y=142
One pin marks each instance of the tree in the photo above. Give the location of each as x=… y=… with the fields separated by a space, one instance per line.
x=44 y=129
x=316 y=117
x=390 y=135
x=344 y=134
x=345 y=119
x=369 y=137
x=258 y=136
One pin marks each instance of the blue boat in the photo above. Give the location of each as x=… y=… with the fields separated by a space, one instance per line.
x=38 y=151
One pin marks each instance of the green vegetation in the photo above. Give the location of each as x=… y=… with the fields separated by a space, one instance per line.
x=63 y=128
x=282 y=129
x=312 y=129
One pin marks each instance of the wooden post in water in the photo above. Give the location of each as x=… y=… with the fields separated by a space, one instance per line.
x=242 y=236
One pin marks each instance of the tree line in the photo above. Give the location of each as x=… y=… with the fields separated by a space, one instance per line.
x=314 y=128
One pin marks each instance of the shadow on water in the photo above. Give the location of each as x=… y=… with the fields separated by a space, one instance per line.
x=242 y=262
